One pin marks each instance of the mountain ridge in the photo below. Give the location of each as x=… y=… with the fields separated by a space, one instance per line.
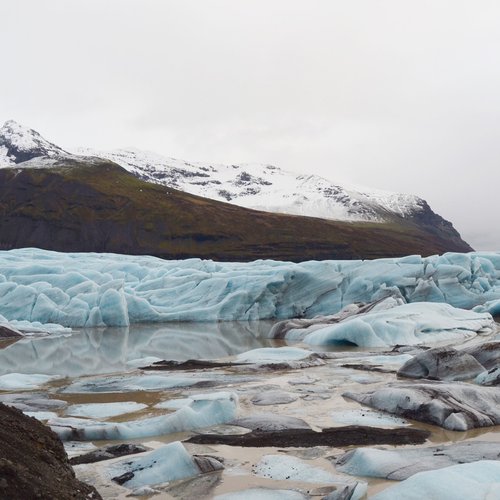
x=410 y=226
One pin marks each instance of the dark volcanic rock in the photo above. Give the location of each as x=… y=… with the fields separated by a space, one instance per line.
x=455 y=406
x=306 y=438
x=8 y=333
x=190 y=364
x=33 y=463
x=441 y=363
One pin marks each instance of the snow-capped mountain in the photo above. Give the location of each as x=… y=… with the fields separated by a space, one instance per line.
x=264 y=187
x=19 y=143
x=261 y=187
x=135 y=202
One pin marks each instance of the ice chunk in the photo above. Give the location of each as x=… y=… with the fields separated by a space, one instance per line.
x=474 y=481
x=455 y=406
x=282 y=467
x=132 y=383
x=167 y=463
x=400 y=464
x=21 y=381
x=405 y=324
x=104 y=410
x=203 y=410
x=273 y=355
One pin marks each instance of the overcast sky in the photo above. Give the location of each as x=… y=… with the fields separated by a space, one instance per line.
x=401 y=95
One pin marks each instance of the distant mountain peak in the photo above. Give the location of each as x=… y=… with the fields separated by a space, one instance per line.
x=19 y=143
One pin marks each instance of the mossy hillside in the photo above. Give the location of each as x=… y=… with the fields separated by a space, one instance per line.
x=95 y=205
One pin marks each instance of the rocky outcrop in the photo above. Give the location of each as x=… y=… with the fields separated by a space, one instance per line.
x=33 y=463
x=307 y=438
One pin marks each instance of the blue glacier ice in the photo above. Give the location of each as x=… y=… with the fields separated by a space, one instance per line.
x=90 y=289
x=407 y=324
x=203 y=410
x=168 y=463
x=475 y=481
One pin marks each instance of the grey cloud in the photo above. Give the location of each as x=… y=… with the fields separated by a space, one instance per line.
x=392 y=94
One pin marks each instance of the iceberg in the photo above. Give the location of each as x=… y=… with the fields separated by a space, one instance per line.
x=400 y=464
x=22 y=381
x=203 y=410
x=456 y=406
x=167 y=463
x=91 y=289
x=406 y=324
x=475 y=481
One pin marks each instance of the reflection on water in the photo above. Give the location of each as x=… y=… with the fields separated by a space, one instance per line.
x=107 y=350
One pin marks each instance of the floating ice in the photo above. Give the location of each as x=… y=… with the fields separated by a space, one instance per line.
x=86 y=289
x=41 y=415
x=474 y=481
x=490 y=377
x=368 y=417
x=405 y=324
x=204 y=410
x=262 y=494
x=455 y=406
x=21 y=381
x=133 y=383
x=273 y=355
x=400 y=464
x=282 y=467
x=104 y=410
x=167 y=463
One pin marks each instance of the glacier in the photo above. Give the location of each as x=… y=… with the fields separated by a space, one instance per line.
x=92 y=290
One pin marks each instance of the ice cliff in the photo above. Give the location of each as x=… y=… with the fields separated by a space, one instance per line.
x=90 y=289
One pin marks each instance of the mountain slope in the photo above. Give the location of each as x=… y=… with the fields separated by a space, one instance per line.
x=265 y=187
x=95 y=205
x=261 y=187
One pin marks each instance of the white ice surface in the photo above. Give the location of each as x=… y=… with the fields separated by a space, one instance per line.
x=273 y=355
x=78 y=290
x=282 y=467
x=22 y=381
x=368 y=417
x=103 y=410
x=41 y=415
x=262 y=494
x=474 y=481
